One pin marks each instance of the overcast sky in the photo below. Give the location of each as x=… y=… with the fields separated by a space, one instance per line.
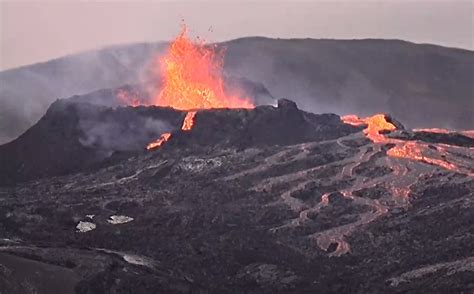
x=33 y=31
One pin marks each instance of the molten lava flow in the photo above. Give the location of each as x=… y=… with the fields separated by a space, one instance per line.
x=159 y=142
x=188 y=122
x=192 y=74
x=403 y=149
x=416 y=151
x=375 y=124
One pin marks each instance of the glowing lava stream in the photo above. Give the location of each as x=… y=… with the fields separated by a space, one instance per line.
x=402 y=174
x=404 y=149
x=159 y=142
x=188 y=123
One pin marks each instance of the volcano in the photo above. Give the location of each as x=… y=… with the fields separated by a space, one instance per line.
x=249 y=200
x=208 y=184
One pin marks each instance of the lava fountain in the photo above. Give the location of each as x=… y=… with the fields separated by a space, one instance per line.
x=193 y=79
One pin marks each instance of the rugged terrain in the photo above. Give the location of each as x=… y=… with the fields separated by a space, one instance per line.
x=422 y=85
x=263 y=200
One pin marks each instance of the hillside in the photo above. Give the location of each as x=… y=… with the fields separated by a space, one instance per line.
x=262 y=200
x=422 y=85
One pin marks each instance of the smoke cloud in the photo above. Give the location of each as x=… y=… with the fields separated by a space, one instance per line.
x=121 y=135
x=26 y=92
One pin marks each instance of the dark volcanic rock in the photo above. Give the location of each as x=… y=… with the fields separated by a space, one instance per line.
x=262 y=126
x=451 y=138
x=445 y=137
x=268 y=200
x=75 y=135
x=268 y=276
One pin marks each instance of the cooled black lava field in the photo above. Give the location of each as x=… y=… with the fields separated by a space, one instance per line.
x=263 y=200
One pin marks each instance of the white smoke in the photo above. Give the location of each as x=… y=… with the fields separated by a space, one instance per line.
x=119 y=134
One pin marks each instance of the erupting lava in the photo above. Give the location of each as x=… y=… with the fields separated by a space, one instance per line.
x=192 y=74
x=192 y=80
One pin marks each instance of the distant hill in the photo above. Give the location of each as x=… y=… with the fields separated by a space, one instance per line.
x=422 y=85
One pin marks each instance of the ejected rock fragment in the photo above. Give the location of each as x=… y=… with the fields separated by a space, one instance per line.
x=119 y=219
x=84 y=227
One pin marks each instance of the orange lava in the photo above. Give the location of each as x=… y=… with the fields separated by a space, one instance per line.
x=375 y=124
x=403 y=149
x=415 y=151
x=159 y=142
x=352 y=119
x=192 y=80
x=192 y=77
x=188 y=122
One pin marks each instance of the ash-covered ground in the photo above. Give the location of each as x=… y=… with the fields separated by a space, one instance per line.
x=266 y=200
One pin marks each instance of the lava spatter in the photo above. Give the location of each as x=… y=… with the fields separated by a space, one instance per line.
x=192 y=77
x=192 y=74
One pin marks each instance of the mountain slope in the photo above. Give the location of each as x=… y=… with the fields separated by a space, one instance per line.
x=75 y=135
x=268 y=200
x=423 y=85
